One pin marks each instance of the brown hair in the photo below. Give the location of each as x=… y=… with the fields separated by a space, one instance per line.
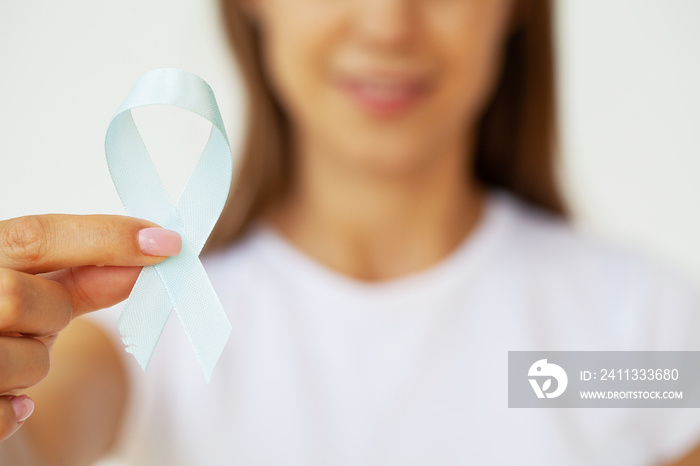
x=515 y=140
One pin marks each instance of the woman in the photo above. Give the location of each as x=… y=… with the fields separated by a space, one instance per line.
x=394 y=230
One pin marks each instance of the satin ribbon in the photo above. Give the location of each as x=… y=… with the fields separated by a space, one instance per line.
x=179 y=282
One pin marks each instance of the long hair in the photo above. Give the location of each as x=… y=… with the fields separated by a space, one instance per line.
x=516 y=134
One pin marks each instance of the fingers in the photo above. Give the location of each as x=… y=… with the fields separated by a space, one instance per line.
x=32 y=305
x=24 y=362
x=43 y=305
x=41 y=243
x=91 y=288
x=73 y=255
x=14 y=410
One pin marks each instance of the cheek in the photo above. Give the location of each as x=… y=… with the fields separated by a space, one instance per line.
x=296 y=48
x=468 y=43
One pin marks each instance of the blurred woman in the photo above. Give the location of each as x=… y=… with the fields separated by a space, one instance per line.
x=395 y=228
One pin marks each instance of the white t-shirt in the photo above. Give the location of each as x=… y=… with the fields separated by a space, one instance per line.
x=322 y=369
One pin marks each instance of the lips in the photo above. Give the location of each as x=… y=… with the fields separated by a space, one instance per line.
x=384 y=95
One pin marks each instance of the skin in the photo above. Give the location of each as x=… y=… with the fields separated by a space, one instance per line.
x=372 y=197
x=53 y=269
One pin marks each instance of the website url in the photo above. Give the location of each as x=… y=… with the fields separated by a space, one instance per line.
x=631 y=395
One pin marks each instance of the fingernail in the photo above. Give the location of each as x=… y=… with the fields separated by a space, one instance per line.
x=159 y=242
x=23 y=407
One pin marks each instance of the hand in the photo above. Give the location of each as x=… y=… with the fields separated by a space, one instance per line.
x=54 y=268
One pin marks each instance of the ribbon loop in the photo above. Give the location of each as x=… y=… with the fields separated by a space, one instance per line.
x=179 y=282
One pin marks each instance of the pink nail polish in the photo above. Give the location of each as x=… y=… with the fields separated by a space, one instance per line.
x=23 y=407
x=159 y=242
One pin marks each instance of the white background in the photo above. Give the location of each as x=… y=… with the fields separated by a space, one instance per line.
x=630 y=105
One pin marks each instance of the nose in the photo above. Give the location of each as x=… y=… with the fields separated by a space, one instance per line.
x=386 y=25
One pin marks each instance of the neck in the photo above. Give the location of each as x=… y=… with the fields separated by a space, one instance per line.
x=383 y=224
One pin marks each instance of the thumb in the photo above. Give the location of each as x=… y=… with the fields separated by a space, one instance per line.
x=92 y=287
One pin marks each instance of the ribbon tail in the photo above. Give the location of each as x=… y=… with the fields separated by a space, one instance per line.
x=144 y=316
x=191 y=294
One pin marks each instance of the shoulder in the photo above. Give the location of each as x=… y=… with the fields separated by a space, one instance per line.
x=243 y=269
x=611 y=281
x=549 y=242
x=235 y=255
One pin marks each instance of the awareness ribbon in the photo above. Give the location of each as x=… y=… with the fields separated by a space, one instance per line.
x=180 y=282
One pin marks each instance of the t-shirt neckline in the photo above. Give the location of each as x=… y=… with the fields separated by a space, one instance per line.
x=460 y=264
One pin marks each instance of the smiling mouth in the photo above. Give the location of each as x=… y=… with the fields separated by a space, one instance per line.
x=386 y=96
